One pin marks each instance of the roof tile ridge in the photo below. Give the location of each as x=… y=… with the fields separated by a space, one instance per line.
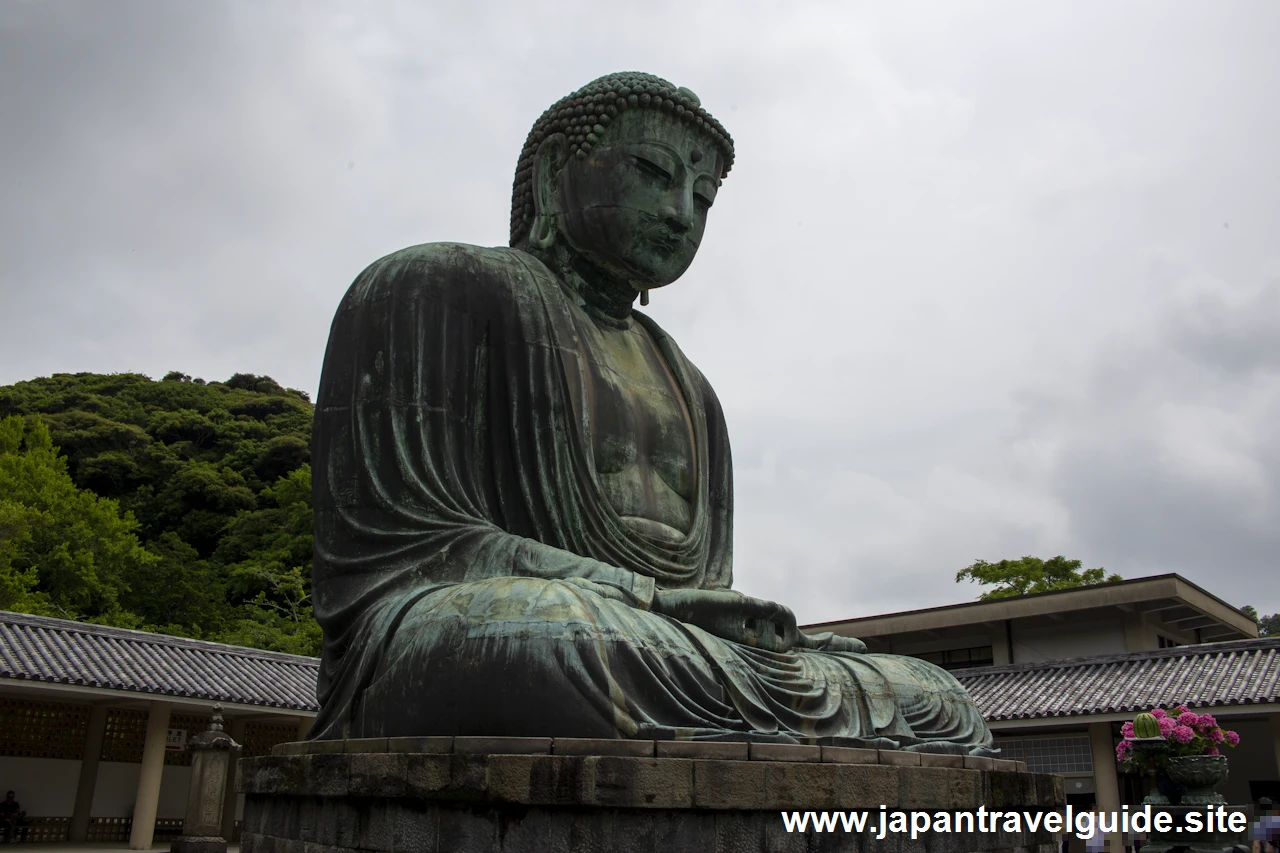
x=50 y=623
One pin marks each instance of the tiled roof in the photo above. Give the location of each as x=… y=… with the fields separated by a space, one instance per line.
x=1241 y=672
x=36 y=648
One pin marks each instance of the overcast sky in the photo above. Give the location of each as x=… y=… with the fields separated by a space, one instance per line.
x=987 y=279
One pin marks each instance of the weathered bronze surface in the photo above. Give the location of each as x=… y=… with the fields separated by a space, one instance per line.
x=523 y=488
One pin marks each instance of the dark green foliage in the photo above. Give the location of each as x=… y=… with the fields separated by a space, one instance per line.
x=1031 y=574
x=194 y=496
x=1268 y=626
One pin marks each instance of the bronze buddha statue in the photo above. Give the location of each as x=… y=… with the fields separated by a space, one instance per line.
x=523 y=489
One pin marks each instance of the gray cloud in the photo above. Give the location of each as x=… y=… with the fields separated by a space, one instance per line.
x=986 y=280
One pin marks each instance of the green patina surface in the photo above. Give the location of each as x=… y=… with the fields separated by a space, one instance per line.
x=523 y=488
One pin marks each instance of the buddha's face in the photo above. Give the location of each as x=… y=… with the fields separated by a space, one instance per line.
x=637 y=205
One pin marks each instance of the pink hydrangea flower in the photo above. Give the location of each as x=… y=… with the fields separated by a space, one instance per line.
x=1186 y=718
x=1212 y=750
x=1181 y=709
x=1233 y=738
x=1127 y=730
x=1183 y=734
x=1167 y=725
x=1208 y=721
x=1124 y=750
x=1159 y=713
x=1216 y=735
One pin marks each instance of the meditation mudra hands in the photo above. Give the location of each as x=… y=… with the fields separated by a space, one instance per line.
x=732 y=616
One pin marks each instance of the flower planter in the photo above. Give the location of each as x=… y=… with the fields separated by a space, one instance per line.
x=1198 y=776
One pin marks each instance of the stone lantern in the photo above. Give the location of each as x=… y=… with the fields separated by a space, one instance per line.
x=210 y=763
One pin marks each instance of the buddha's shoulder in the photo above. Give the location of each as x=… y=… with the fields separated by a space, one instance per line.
x=450 y=266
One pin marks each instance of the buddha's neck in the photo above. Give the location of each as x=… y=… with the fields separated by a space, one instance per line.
x=602 y=293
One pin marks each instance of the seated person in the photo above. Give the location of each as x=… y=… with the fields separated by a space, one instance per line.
x=523 y=488
x=11 y=817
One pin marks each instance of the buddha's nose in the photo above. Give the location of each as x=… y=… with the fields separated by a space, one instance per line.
x=679 y=221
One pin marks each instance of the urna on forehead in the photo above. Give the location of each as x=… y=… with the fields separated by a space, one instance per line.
x=585 y=115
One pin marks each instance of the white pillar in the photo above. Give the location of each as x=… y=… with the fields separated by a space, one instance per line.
x=1106 y=783
x=94 y=733
x=235 y=728
x=148 y=800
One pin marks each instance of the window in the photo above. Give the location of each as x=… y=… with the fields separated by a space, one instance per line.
x=959 y=658
x=1069 y=754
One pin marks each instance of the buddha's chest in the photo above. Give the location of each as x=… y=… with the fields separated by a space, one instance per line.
x=641 y=433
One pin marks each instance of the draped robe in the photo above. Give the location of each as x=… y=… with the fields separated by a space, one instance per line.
x=471 y=577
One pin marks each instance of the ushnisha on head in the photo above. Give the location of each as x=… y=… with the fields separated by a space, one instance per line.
x=618 y=177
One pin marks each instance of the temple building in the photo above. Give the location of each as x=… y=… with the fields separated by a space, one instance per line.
x=93 y=720
x=1057 y=673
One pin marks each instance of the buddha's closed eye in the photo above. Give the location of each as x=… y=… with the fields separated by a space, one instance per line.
x=652 y=169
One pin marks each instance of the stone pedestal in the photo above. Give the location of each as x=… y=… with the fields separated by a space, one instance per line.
x=210 y=763
x=533 y=795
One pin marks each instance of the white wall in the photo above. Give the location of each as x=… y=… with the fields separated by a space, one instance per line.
x=1067 y=639
x=117 y=790
x=46 y=787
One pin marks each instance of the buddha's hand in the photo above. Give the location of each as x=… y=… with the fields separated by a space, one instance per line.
x=732 y=616
x=829 y=642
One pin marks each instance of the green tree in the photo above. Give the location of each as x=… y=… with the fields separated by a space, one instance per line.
x=214 y=474
x=75 y=545
x=1031 y=574
x=1268 y=626
x=267 y=553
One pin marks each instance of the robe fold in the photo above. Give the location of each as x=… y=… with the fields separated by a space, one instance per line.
x=470 y=575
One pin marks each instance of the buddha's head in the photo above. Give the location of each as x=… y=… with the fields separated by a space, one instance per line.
x=622 y=174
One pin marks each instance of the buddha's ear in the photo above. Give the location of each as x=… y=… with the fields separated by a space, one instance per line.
x=547 y=162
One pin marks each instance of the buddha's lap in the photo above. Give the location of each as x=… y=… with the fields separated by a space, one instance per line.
x=542 y=636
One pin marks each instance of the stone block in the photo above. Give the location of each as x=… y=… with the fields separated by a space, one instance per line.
x=931 y=759
x=433 y=745
x=899 y=758
x=377 y=826
x=602 y=746
x=295 y=748
x=502 y=745
x=803 y=786
x=427 y=775
x=325 y=774
x=271 y=774
x=849 y=755
x=325 y=747
x=365 y=744
x=785 y=752
x=719 y=750
x=867 y=786
x=682 y=831
x=417 y=828
x=1004 y=765
x=525 y=831
x=377 y=774
x=976 y=762
x=592 y=832
x=941 y=788
x=653 y=783
x=737 y=831
x=738 y=785
x=466 y=831
x=554 y=779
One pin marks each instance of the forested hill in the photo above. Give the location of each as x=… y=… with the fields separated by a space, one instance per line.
x=179 y=506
